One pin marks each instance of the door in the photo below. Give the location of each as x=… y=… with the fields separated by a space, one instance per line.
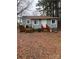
x=43 y=23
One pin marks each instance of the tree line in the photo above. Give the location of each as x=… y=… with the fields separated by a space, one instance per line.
x=49 y=7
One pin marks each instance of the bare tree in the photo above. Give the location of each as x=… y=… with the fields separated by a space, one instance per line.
x=18 y=2
x=23 y=5
x=36 y=13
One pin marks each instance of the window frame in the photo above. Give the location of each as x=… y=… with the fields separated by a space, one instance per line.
x=28 y=21
x=37 y=22
x=52 y=20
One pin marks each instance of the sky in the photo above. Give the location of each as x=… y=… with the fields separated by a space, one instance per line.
x=34 y=4
x=32 y=8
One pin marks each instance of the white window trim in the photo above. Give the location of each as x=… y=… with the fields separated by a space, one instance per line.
x=36 y=23
x=51 y=21
x=27 y=22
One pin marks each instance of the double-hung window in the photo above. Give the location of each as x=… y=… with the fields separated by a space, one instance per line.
x=36 y=22
x=53 y=21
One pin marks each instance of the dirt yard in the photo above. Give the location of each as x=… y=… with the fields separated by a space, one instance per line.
x=39 y=45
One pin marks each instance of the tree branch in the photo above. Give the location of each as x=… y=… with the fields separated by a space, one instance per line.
x=25 y=7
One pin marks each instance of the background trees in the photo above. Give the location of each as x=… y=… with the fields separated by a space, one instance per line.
x=23 y=5
x=50 y=7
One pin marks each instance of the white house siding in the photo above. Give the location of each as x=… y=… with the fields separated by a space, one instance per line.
x=40 y=22
x=19 y=20
x=43 y=23
x=30 y=22
x=24 y=21
x=36 y=26
x=52 y=25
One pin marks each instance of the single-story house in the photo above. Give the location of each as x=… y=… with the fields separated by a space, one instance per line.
x=39 y=22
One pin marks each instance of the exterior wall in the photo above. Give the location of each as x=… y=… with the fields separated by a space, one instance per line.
x=52 y=25
x=30 y=22
x=24 y=21
x=43 y=23
x=19 y=20
x=36 y=26
x=39 y=23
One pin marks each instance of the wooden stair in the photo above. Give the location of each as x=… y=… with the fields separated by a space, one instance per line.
x=45 y=29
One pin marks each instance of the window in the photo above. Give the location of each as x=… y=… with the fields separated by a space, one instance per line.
x=35 y=21
x=53 y=21
x=27 y=21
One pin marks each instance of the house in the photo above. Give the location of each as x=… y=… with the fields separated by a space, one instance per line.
x=40 y=22
x=19 y=20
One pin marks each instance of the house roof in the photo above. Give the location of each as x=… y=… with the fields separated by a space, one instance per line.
x=41 y=17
